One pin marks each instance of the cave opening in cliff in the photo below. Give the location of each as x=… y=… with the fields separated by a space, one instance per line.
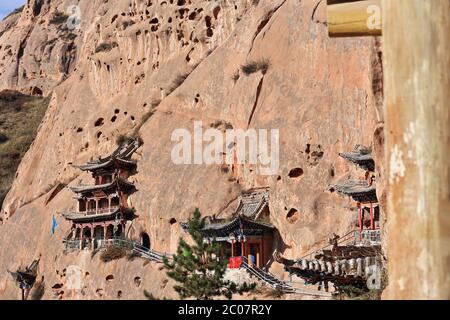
x=145 y=240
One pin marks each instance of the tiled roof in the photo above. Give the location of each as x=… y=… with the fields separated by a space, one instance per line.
x=121 y=154
x=362 y=157
x=251 y=204
x=106 y=186
x=357 y=189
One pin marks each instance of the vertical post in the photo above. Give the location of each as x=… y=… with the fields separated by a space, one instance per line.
x=417 y=114
x=92 y=237
x=96 y=205
x=242 y=247
x=372 y=223
x=81 y=237
x=232 y=248
x=360 y=220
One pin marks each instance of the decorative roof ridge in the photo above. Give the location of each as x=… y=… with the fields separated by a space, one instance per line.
x=121 y=153
x=361 y=156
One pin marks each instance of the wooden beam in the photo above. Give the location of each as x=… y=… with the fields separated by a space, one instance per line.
x=349 y=18
x=416 y=62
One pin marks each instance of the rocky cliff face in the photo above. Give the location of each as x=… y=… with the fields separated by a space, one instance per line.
x=171 y=63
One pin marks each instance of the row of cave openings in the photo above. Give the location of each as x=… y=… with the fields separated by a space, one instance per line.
x=182 y=14
x=101 y=121
x=58 y=288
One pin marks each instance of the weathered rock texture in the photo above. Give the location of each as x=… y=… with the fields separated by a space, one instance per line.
x=181 y=58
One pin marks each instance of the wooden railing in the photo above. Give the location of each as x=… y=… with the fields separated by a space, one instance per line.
x=73 y=245
x=371 y=237
x=351 y=238
x=100 y=210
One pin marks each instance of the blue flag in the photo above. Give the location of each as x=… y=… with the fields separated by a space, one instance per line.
x=54 y=224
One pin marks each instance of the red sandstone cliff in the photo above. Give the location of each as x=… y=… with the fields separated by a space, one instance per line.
x=321 y=93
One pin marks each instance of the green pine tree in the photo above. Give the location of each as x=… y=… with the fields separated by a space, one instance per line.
x=198 y=269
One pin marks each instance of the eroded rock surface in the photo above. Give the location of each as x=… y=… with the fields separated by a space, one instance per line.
x=181 y=59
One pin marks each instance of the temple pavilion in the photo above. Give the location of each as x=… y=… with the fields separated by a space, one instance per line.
x=351 y=258
x=363 y=192
x=104 y=207
x=248 y=233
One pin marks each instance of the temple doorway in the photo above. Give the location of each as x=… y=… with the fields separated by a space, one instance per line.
x=99 y=236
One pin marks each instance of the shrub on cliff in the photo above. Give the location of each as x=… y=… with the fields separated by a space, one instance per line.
x=3 y=138
x=255 y=66
x=113 y=253
x=199 y=269
x=59 y=18
x=105 y=47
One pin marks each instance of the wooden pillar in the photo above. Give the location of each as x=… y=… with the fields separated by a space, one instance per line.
x=232 y=248
x=81 y=237
x=360 y=219
x=258 y=262
x=260 y=250
x=242 y=247
x=416 y=69
x=347 y=18
x=105 y=230
x=372 y=222
x=96 y=205
x=92 y=237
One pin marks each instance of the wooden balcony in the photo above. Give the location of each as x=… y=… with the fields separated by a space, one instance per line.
x=371 y=237
x=100 y=210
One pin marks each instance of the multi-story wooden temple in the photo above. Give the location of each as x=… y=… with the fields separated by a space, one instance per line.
x=363 y=192
x=103 y=208
x=248 y=233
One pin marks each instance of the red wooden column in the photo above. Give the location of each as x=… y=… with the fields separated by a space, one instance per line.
x=260 y=249
x=372 y=222
x=360 y=221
